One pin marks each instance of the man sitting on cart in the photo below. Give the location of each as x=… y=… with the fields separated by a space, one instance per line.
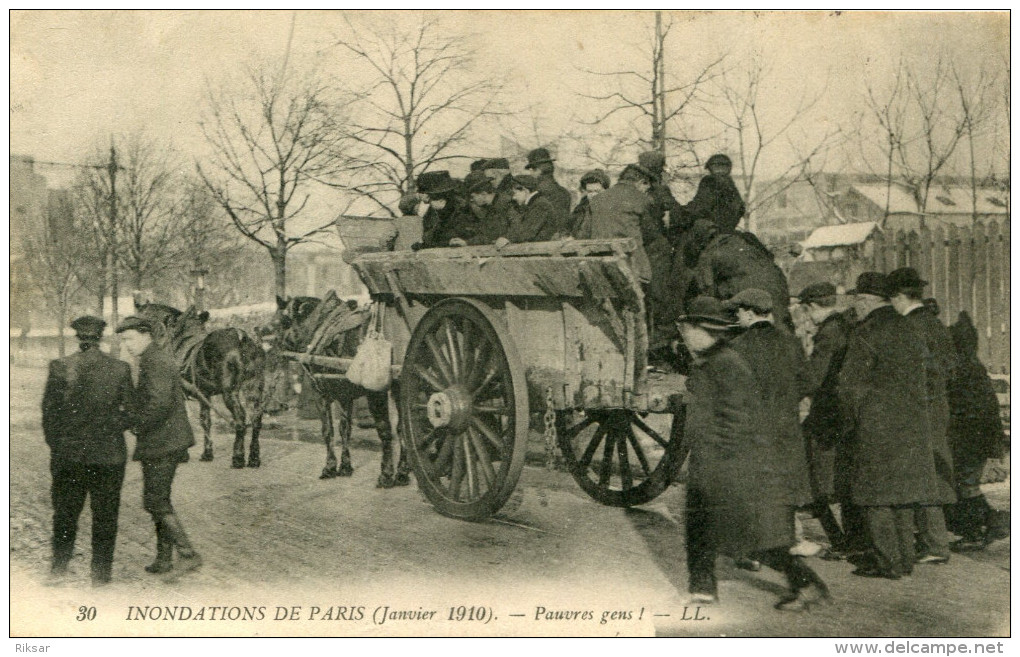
x=448 y=221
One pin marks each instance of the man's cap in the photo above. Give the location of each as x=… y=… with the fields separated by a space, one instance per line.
x=595 y=176
x=477 y=182
x=872 y=282
x=497 y=163
x=719 y=158
x=654 y=161
x=816 y=291
x=538 y=156
x=529 y=183
x=135 y=324
x=754 y=298
x=707 y=312
x=479 y=165
x=640 y=170
x=902 y=278
x=88 y=326
x=436 y=182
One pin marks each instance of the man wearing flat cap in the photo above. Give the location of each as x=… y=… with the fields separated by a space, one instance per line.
x=882 y=392
x=621 y=210
x=541 y=162
x=489 y=224
x=829 y=457
x=743 y=482
x=538 y=221
x=906 y=289
x=159 y=419
x=84 y=416
x=717 y=199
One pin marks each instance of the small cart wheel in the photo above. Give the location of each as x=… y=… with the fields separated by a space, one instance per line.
x=464 y=409
x=617 y=458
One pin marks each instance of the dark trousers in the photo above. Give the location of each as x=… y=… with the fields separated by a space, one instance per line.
x=157 y=480
x=891 y=529
x=72 y=482
x=702 y=549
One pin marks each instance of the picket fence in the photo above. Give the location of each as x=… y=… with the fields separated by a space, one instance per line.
x=967 y=269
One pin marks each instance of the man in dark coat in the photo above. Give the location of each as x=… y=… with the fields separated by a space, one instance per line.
x=717 y=199
x=653 y=236
x=159 y=419
x=741 y=489
x=828 y=451
x=84 y=415
x=905 y=289
x=541 y=161
x=882 y=393
x=620 y=211
x=448 y=218
x=503 y=211
x=975 y=435
x=489 y=223
x=730 y=262
x=539 y=221
x=592 y=184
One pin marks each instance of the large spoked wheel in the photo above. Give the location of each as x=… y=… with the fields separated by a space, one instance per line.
x=464 y=409
x=617 y=458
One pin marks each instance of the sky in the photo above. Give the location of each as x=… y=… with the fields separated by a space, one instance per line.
x=78 y=77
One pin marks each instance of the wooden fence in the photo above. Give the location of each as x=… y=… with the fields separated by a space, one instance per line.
x=968 y=270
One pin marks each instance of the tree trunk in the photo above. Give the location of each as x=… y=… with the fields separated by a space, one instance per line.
x=61 y=319
x=279 y=257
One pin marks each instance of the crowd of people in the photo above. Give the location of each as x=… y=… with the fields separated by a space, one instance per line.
x=901 y=419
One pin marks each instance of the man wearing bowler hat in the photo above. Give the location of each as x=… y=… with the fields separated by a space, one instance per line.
x=160 y=422
x=883 y=396
x=541 y=161
x=448 y=217
x=84 y=415
x=907 y=295
x=823 y=428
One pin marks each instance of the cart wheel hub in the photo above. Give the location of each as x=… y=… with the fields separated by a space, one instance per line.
x=450 y=408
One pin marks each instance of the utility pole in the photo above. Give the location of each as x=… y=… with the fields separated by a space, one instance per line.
x=111 y=252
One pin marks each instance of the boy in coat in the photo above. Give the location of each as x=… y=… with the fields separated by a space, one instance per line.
x=160 y=422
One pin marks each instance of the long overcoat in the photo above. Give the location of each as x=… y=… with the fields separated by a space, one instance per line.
x=558 y=195
x=620 y=211
x=882 y=392
x=731 y=263
x=975 y=424
x=777 y=360
x=736 y=467
x=939 y=367
x=84 y=408
x=159 y=416
x=824 y=428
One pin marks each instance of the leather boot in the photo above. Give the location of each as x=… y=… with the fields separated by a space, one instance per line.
x=164 y=552
x=188 y=559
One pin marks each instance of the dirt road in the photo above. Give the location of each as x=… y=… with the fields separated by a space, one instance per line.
x=335 y=557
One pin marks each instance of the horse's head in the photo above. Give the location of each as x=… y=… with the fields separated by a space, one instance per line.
x=162 y=317
x=290 y=327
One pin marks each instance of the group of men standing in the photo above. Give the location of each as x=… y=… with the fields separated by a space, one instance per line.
x=888 y=419
x=90 y=400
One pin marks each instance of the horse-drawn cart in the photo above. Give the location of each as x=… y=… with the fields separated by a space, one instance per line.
x=482 y=338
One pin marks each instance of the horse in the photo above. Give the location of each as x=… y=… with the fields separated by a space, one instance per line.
x=336 y=328
x=223 y=362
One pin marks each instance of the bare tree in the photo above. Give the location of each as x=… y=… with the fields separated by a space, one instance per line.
x=90 y=200
x=654 y=95
x=419 y=100
x=271 y=140
x=758 y=131
x=150 y=240
x=53 y=260
x=975 y=97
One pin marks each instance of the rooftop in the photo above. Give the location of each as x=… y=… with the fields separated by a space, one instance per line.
x=839 y=235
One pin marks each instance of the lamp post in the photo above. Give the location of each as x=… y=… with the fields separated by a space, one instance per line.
x=199 y=273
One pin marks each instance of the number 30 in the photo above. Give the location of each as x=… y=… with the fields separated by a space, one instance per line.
x=86 y=613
